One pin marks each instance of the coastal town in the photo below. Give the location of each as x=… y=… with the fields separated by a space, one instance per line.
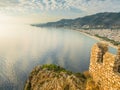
x=112 y=35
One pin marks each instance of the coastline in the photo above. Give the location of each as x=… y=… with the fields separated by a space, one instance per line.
x=98 y=39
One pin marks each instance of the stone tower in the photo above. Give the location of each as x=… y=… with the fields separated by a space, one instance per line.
x=105 y=67
x=116 y=68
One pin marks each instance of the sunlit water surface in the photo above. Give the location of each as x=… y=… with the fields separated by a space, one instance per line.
x=23 y=47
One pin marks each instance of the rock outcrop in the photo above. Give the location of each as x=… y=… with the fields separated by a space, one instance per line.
x=52 y=77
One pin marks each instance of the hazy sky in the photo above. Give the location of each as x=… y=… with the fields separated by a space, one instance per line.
x=34 y=11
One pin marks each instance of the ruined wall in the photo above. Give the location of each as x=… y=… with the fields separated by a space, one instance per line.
x=105 y=67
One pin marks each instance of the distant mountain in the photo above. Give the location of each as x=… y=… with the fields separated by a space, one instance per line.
x=99 y=20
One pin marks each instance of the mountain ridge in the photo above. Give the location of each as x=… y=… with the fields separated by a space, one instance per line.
x=100 y=20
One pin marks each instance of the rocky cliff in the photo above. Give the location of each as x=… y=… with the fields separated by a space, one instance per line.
x=52 y=77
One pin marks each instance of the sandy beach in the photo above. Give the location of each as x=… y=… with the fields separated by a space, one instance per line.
x=98 y=39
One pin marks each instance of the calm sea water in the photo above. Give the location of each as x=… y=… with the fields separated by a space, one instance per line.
x=24 y=47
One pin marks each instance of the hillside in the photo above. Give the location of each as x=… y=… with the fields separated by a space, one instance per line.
x=99 y=20
x=52 y=77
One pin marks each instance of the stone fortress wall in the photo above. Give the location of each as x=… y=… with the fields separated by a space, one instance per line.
x=105 y=67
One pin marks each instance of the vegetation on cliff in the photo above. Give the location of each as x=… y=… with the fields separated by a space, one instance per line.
x=116 y=43
x=52 y=77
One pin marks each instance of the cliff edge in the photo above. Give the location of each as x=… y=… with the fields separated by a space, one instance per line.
x=52 y=77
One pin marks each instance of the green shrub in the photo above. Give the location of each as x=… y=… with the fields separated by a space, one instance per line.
x=56 y=68
x=80 y=75
x=109 y=40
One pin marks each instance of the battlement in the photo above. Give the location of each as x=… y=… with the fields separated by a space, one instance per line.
x=105 y=67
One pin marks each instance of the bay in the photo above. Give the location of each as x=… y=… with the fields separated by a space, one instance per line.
x=23 y=47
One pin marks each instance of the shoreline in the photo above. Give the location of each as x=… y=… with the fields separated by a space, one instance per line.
x=98 y=39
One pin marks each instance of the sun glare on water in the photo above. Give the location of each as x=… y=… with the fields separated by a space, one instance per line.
x=7 y=25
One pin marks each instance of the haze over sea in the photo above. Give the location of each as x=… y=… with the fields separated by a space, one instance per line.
x=23 y=47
